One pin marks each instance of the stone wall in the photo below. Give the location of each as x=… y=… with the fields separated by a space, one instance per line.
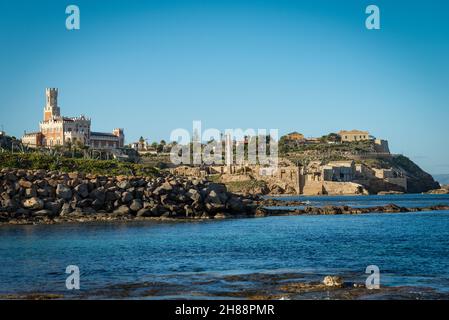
x=313 y=188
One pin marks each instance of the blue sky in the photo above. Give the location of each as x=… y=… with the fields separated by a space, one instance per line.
x=312 y=67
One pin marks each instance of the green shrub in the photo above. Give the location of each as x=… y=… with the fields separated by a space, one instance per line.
x=104 y=167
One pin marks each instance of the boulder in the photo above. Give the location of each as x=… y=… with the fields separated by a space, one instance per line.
x=213 y=197
x=143 y=213
x=97 y=204
x=194 y=194
x=127 y=197
x=25 y=184
x=236 y=204
x=63 y=192
x=30 y=192
x=43 y=192
x=33 y=203
x=124 y=184
x=66 y=209
x=167 y=186
x=111 y=196
x=136 y=205
x=21 y=212
x=98 y=194
x=122 y=210
x=10 y=205
x=82 y=189
x=333 y=281
x=53 y=206
x=42 y=213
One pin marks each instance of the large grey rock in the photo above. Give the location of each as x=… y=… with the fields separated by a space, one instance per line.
x=122 y=210
x=10 y=205
x=236 y=204
x=84 y=203
x=98 y=194
x=143 y=213
x=124 y=185
x=217 y=187
x=97 y=204
x=66 y=209
x=136 y=205
x=43 y=192
x=213 y=197
x=63 y=192
x=167 y=186
x=194 y=194
x=127 y=197
x=30 y=192
x=21 y=212
x=112 y=196
x=82 y=189
x=53 y=206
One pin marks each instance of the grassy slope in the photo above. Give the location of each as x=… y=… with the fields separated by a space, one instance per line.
x=46 y=162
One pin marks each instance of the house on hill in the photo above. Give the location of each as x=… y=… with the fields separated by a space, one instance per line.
x=354 y=135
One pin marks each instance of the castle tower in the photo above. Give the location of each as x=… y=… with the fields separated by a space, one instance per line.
x=51 y=104
x=118 y=132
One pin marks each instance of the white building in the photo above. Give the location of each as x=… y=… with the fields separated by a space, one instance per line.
x=57 y=130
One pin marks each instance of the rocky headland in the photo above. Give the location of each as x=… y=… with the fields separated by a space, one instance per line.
x=443 y=190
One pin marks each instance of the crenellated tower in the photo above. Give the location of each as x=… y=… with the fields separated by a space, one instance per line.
x=51 y=104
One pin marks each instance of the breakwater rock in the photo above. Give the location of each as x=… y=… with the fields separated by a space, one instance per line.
x=333 y=210
x=41 y=196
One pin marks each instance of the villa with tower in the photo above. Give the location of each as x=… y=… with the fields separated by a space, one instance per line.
x=56 y=130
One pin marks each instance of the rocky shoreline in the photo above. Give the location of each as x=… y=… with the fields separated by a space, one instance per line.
x=46 y=197
x=49 y=197
x=253 y=286
x=333 y=210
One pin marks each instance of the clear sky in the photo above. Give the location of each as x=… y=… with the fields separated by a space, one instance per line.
x=307 y=66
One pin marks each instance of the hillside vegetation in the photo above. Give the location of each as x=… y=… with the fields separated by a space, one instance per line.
x=63 y=164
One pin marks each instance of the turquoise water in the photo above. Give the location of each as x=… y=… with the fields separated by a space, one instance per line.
x=409 y=248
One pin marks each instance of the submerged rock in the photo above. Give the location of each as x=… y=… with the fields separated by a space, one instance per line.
x=333 y=281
